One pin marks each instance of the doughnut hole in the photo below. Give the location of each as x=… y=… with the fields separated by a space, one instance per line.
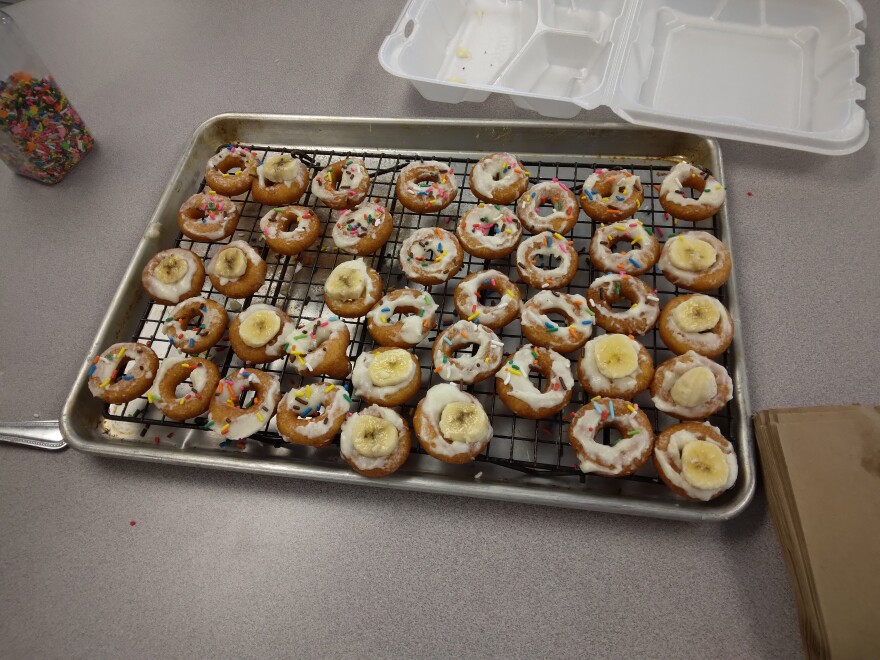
x=546 y=207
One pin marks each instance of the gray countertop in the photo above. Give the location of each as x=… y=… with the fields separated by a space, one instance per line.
x=232 y=565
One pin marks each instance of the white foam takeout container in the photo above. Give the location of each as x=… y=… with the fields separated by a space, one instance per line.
x=776 y=72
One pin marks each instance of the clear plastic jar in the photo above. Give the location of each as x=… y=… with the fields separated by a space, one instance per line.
x=41 y=135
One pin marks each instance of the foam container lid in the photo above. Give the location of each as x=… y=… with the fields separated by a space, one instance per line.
x=776 y=72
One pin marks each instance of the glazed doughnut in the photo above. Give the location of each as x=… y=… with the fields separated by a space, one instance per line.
x=698 y=323
x=229 y=419
x=541 y=330
x=469 y=306
x=624 y=457
x=695 y=260
x=312 y=415
x=615 y=366
x=207 y=217
x=375 y=441
x=467 y=369
x=430 y=255
x=386 y=376
x=177 y=400
x=695 y=460
x=276 y=225
x=555 y=193
x=260 y=333
x=498 y=178
x=516 y=390
x=546 y=244
x=489 y=232
x=213 y=322
x=678 y=205
x=138 y=364
x=219 y=177
x=420 y=312
x=172 y=275
x=636 y=260
x=451 y=425
x=611 y=195
x=691 y=387
x=352 y=288
x=362 y=230
x=281 y=180
x=426 y=185
x=320 y=348
x=237 y=270
x=608 y=290
x=342 y=184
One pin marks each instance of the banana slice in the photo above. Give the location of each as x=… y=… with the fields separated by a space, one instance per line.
x=280 y=168
x=463 y=422
x=259 y=328
x=390 y=368
x=703 y=465
x=697 y=314
x=231 y=263
x=694 y=387
x=374 y=437
x=345 y=284
x=171 y=269
x=616 y=357
x=691 y=254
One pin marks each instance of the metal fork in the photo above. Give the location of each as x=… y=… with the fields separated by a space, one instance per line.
x=41 y=434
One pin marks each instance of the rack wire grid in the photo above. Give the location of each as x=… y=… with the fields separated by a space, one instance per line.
x=295 y=284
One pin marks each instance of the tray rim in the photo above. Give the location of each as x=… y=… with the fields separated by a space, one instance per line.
x=434 y=483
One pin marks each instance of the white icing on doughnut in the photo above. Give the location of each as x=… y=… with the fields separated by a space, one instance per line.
x=528 y=204
x=487 y=314
x=505 y=166
x=249 y=252
x=354 y=172
x=173 y=327
x=174 y=291
x=307 y=401
x=274 y=346
x=249 y=423
x=620 y=179
x=690 y=276
x=299 y=177
x=346 y=443
x=713 y=194
x=670 y=462
x=464 y=369
x=429 y=251
x=108 y=362
x=197 y=377
x=642 y=309
x=492 y=226
x=589 y=367
x=218 y=211
x=436 y=399
x=708 y=341
x=572 y=305
x=358 y=223
x=306 y=339
x=546 y=244
x=443 y=190
x=617 y=457
x=363 y=384
x=634 y=233
x=250 y=160
x=412 y=327
x=269 y=223
x=676 y=368
x=521 y=386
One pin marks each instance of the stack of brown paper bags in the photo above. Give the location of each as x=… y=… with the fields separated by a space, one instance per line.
x=822 y=474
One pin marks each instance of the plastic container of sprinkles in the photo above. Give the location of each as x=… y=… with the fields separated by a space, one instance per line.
x=41 y=135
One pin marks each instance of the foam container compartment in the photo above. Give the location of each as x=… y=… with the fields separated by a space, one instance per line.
x=776 y=72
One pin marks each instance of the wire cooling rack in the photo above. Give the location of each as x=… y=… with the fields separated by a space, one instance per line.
x=295 y=284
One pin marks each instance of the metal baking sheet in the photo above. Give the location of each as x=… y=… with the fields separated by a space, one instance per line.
x=527 y=461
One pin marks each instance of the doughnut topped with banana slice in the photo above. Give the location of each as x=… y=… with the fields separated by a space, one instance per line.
x=386 y=375
x=352 y=288
x=691 y=387
x=452 y=425
x=259 y=333
x=695 y=260
x=698 y=323
x=320 y=348
x=681 y=206
x=173 y=275
x=281 y=179
x=615 y=366
x=695 y=460
x=237 y=270
x=375 y=441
